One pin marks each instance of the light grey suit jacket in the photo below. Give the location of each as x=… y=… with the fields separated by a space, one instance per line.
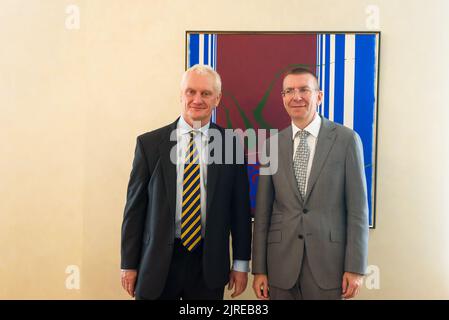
x=330 y=223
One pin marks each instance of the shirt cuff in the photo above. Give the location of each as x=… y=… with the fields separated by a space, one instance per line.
x=241 y=265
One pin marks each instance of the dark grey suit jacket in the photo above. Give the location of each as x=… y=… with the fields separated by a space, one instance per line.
x=332 y=219
x=148 y=229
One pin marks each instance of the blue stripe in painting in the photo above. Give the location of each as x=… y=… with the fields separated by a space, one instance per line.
x=364 y=99
x=327 y=71
x=194 y=46
x=206 y=49
x=339 y=80
x=317 y=55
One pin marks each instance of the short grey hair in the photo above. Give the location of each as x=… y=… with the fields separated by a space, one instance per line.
x=203 y=69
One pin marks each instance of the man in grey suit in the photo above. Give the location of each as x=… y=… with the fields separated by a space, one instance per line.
x=311 y=220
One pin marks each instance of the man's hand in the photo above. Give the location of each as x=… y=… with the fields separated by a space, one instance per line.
x=351 y=284
x=129 y=281
x=260 y=286
x=239 y=280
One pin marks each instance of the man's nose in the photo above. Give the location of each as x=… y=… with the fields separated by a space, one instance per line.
x=197 y=98
x=297 y=95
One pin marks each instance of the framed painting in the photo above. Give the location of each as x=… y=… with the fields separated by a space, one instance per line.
x=251 y=65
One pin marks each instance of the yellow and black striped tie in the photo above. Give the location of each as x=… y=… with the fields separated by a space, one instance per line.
x=191 y=199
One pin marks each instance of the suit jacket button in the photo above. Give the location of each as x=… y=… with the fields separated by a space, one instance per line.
x=305 y=211
x=301 y=236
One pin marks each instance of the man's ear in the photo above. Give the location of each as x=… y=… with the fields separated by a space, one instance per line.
x=217 y=101
x=320 y=97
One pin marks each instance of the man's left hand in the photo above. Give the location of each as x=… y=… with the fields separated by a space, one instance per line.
x=351 y=284
x=239 y=280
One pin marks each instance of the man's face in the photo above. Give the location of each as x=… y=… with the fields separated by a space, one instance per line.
x=301 y=97
x=198 y=98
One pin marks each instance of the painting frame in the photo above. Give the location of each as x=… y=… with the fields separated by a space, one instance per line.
x=330 y=40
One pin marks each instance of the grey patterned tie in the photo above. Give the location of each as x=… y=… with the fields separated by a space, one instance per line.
x=301 y=161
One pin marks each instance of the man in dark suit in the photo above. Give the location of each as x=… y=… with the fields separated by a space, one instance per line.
x=181 y=209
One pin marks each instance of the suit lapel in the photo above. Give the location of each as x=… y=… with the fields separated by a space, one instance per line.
x=326 y=139
x=286 y=162
x=168 y=167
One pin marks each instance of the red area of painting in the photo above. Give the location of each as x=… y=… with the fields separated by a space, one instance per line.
x=248 y=64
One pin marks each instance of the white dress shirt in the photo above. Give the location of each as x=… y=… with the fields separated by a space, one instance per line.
x=314 y=129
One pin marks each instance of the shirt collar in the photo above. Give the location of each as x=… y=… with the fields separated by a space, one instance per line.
x=185 y=128
x=313 y=128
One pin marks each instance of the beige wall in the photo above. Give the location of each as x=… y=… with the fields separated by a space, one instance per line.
x=73 y=101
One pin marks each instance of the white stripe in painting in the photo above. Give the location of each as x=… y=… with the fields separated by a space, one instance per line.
x=189 y=64
x=201 y=49
x=212 y=62
x=324 y=66
x=331 y=77
x=318 y=65
x=214 y=52
x=209 y=55
x=348 y=109
x=211 y=51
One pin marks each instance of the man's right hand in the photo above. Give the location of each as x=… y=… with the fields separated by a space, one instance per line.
x=260 y=286
x=129 y=281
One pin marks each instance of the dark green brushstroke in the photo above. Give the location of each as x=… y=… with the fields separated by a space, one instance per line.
x=257 y=112
x=245 y=119
x=228 y=117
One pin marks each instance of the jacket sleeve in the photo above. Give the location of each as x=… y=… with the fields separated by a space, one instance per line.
x=241 y=214
x=135 y=210
x=357 y=209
